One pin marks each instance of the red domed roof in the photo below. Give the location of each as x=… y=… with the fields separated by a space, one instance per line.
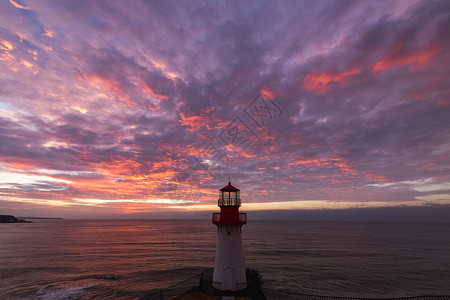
x=229 y=187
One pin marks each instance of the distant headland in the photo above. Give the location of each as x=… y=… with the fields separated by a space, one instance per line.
x=12 y=219
x=39 y=218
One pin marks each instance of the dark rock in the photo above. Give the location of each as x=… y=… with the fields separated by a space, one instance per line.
x=11 y=219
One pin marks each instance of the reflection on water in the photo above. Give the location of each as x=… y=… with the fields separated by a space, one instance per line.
x=348 y=259
x=352 y=259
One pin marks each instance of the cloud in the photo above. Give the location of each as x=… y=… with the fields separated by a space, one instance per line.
x=17 y=5
x=321 y=83
x=156 y=100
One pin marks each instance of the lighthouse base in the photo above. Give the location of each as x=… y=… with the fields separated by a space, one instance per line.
x=223 y=286
x=253 y=289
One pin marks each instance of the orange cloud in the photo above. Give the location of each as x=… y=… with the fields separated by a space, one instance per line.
x=21 y=163
x=124 y=178
x=376 y=178
x=268 y=93
x=397 y=58
x=189 y=150
x=325 y=162
x=5 y=45
x=21 y=37
x=444 y=102
x=48 y=33
x=311 y=162
x=80 y=109
x=159 y=65
x=108 y=85
x=172 y=75
x=27 y=64
x=17 y=5
x=319 y=83
x=148 y=90
x=195 y=121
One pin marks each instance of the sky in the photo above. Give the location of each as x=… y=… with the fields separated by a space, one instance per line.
x=147 y=108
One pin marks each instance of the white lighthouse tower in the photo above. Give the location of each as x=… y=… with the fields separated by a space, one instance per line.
x=229 y=268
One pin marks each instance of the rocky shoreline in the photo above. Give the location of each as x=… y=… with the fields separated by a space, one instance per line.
x=12 y=219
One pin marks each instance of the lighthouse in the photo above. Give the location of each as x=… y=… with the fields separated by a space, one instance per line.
x=229 y=268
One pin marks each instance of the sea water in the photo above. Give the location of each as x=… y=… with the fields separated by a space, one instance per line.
x=141 y=259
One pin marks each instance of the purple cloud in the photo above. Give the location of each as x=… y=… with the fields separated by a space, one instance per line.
x=109 y=100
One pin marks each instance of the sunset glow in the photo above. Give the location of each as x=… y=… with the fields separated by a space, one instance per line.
x=120 y=109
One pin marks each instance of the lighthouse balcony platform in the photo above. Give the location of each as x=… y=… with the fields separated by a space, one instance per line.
x=229 y=219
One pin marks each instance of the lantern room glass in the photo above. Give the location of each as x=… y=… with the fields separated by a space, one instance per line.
x=229 y=198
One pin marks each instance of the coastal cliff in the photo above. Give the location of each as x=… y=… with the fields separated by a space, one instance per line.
x=11 y=219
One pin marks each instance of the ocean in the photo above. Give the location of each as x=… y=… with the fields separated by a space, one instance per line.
x=150 y=259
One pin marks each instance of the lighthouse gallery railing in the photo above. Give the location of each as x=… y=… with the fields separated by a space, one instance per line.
x=229 y=202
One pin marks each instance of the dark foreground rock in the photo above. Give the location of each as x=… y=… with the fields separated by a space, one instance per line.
x=11 y=219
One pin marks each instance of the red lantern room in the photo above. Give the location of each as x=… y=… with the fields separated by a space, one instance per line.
x=229 y=203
